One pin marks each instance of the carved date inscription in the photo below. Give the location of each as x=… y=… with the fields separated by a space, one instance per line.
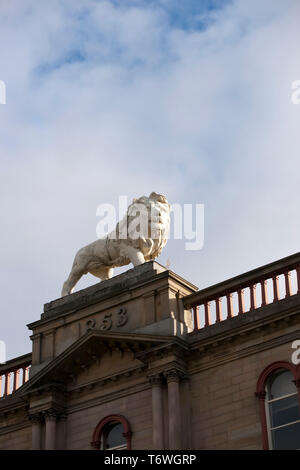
x=109 y=320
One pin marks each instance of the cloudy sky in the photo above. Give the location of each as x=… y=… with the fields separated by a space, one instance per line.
x=189 y=98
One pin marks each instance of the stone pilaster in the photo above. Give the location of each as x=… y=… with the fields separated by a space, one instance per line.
x=157 y=412
x=173 y=377
x=50 y=420
x=61 y=432
x=36 y=426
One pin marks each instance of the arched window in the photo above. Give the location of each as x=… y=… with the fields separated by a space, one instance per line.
x=112 y=433
x=283 y=411
x=112 y=437
x=279 y=406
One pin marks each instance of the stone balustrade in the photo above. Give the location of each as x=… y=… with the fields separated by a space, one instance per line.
x=252 y=290
x=13 y=374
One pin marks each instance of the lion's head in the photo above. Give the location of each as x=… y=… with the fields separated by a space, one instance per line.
x=146 y=224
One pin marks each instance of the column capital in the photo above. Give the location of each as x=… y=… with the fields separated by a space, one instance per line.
x=174 y=375
x=36 y=418
x=155 y=379
x=52 y=414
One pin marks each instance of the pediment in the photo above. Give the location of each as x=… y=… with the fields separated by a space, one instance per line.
x=92 y=348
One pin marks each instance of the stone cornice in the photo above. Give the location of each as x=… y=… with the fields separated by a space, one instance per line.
x=225 y=357
x=15 y=363
x=176 y=346
x=52 y=410
x=109 y=396
x=283 y=312
x=131 y=280
x=52 y=413
x=85 y=351
x=11 y=404
x=51 y=388
x=107 y=380
x=15 y=427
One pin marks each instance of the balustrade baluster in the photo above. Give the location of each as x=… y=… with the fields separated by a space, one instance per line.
x=7 y=384
x=276 y=288
x=207 y=314
x=264 y=293
x=229 y=305
x=253 y=304
x=196 y=322
x=218 y=310
x=10 y=380
x=298 y=279
x=287 y=277
x=241 y=301
x=24 y=375
x=16 y=379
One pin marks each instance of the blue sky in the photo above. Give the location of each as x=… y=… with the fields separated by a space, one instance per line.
x=106 y=98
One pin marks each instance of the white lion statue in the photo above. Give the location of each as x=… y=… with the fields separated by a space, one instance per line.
x=139 y=237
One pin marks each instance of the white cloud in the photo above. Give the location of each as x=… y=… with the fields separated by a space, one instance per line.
x=106 y=99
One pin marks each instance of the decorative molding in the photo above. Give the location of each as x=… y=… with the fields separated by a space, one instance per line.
x=251 y=321
x=262 y=380
x=51 y=414
x=12 y=406
x=52 y=388
x=15 y=427
x=178 y=348
x=108 y=379
x=110 y=396
x=66 y=360
x=249 y=351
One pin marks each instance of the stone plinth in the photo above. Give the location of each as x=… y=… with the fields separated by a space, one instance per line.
x=145 y=299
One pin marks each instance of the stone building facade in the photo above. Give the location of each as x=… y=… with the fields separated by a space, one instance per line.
x=145 y=360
